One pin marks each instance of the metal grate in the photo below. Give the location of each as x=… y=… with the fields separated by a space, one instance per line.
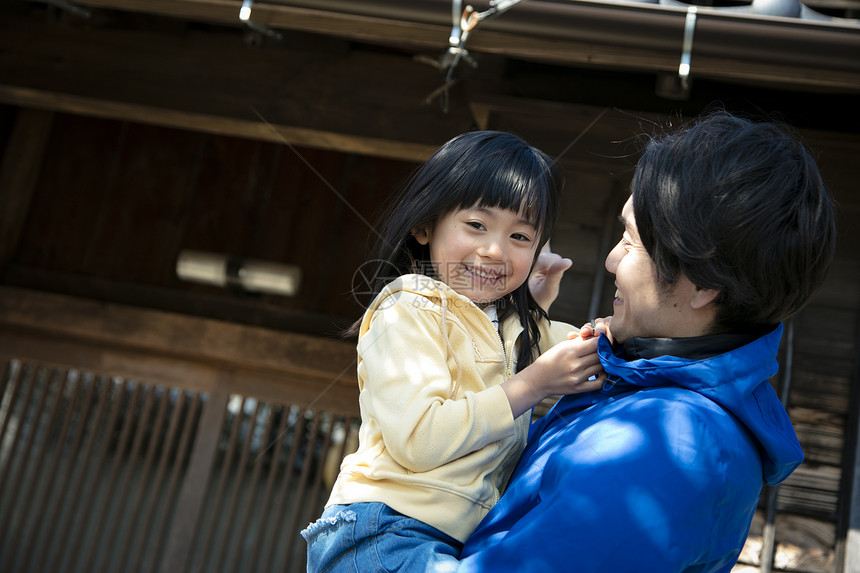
x=89 y=469
x=105 y=474
x=265 y=486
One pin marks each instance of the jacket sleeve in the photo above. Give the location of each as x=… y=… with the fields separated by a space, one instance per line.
x=552 y=332
x=407 y=386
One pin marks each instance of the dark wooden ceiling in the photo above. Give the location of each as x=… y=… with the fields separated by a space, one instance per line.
x=365 y=84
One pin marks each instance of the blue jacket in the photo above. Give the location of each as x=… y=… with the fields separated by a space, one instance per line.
x=660 y=472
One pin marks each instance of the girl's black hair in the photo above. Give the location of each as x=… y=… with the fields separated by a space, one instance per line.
x=479 y=168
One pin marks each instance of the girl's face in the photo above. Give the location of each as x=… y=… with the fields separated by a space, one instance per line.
x=482 y=253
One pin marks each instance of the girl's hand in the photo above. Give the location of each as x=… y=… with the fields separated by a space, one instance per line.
x=546 y=276
x=595 y=327
x=563 y=369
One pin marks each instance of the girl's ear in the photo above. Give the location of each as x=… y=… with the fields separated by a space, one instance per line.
x=422 y=235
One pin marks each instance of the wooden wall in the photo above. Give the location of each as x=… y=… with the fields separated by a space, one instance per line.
x=115 y=203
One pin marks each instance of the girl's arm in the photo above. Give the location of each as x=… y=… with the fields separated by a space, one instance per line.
x=563 y=369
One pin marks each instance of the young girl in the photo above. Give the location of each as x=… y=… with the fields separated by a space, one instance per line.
x=449 y=358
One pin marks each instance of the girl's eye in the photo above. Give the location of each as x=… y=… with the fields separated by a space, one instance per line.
x=476 y=225
x=520 y=237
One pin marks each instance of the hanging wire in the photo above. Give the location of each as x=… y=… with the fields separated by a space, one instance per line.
x=69 y=7
x=463 y=21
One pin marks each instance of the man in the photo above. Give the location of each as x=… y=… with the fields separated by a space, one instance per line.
x=728 y=232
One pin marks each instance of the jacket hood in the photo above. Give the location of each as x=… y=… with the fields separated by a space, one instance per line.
x=441 y=295
x=736 y=380
x=435 y=291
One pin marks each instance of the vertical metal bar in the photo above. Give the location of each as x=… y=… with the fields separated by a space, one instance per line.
x=66 y=501
x=265 y=533
x=244 y=520
x=156 y=497
x=36 y=510
x=296 y=431
x=115 y=393
x=28 y=428
x=53 y=492
x=292 y=522
x=11 y=371
x=310 y=502
x=768 y=544
x=177 y=470
x=847 y=559
x=113 y=520
x=210 y=532
x=189 y=506
x=229 y=516
x=102 y=515
x=17 y=432
x=8 y=405
x=132 y=511
x=17 y=377
x=80 y=469
x=311 y=507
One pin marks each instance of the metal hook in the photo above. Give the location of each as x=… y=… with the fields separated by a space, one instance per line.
x=455 y=38
x=245 y=17
x=677 y=86
x=687 y=47
x=463 y=21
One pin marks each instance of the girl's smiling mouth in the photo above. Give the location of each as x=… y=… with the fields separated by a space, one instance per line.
x=487 y=275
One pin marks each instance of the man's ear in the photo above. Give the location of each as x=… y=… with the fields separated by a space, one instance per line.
x=703 y=297
x=421 y=234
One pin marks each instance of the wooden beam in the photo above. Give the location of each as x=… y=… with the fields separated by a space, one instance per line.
x=575 y=49
x=385 y=31
x=261 y=129
x=233 y=309
x=19 y=173
x=305 y=91
x=133 y=332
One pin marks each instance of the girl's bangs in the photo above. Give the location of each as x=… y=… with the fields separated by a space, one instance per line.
x=507 y=189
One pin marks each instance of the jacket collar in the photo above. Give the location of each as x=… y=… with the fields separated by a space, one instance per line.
x=736 y=379
x=693 y=348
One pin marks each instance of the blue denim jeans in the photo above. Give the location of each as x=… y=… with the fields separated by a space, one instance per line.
x=371 y=537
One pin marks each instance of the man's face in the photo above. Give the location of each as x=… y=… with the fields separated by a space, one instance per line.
x=642 y=307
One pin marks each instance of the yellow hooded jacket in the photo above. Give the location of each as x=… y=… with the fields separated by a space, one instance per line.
x=437 y=440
